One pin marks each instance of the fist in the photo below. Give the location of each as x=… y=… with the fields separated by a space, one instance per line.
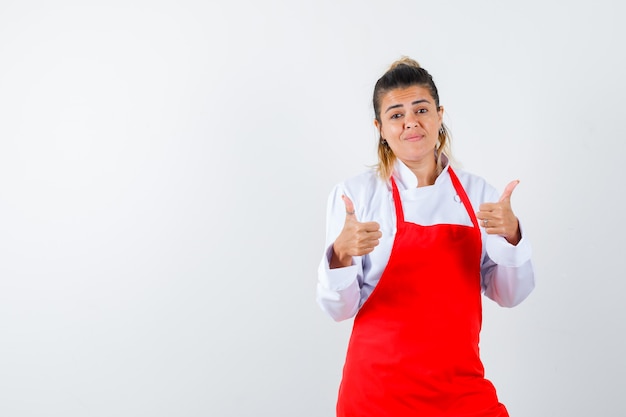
x=498 y=218
x=355 y=239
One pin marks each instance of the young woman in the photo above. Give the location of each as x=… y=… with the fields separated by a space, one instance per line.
x=411 y=246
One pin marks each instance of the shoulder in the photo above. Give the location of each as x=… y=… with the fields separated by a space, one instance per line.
x=364 y=182
x=366 y=190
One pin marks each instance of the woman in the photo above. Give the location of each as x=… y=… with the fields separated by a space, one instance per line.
x=411 y=246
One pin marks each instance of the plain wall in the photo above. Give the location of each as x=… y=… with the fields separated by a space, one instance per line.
x=164 y=169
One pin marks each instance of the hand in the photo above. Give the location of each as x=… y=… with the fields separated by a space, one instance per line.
x=498 y=218
x=355 y=239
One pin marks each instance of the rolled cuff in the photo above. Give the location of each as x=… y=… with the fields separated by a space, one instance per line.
x=336 y=279
x=503 y=253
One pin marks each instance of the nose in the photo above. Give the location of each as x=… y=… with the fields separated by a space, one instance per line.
x=410 y=121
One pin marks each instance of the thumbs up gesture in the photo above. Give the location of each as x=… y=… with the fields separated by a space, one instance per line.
x=498 y=218
x=355 y=239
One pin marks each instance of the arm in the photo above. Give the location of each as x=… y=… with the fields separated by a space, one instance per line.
x=340 y=273
x=507 y=272
x=338 y=289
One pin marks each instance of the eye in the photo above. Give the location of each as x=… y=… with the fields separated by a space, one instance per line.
x=422 y=111
x=396 y=116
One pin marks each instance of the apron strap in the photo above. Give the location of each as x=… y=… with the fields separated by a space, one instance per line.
x=464 y=198
x=457 y=187
x=397 y=202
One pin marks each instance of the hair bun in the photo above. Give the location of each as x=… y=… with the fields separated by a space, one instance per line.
x=405 y=60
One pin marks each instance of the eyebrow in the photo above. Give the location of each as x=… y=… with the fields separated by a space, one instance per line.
x=402 y=105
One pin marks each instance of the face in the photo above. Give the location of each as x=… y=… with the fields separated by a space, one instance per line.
x=410 y=123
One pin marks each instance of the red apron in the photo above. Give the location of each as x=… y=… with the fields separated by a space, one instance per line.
x=414 y=344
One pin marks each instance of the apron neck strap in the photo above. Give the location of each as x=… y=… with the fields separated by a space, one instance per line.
x=397 y=202
x=464 y=198
x=457 y=187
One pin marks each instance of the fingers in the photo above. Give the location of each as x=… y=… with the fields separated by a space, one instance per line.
x=492 y=215
x=491 y=225
x=356 y=238
x=367 y=227
x=351 y=216
x=364 y=236
x=506 y=195
x=498 y=218
x=365 y=241
x=349 y=205
x=504 y=198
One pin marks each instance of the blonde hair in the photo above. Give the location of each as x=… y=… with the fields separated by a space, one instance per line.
x=406 y=72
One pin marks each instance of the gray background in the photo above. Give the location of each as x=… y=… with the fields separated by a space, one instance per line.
x=164 y=168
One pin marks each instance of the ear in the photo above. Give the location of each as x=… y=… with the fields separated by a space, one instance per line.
x=440 y=113
x=379 y=127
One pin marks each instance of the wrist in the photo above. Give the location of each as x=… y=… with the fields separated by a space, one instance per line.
x=339 y=260
x=515 y=238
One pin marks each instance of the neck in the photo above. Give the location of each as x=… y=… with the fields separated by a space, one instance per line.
x=425 y=171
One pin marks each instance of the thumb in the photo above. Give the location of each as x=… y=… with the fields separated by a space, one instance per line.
x=506 y=195
x=349 y=206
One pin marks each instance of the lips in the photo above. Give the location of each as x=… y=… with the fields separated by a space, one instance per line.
x=414 y=138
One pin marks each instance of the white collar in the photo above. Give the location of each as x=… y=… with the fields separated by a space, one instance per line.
x=404 y=176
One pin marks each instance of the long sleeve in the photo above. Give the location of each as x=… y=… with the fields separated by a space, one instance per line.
x=507 y=271
x=338 y=289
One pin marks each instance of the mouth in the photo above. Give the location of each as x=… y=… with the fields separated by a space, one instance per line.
x=414 y=138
